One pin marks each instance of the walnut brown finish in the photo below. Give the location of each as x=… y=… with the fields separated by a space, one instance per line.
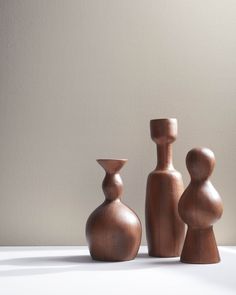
x=164 y=228
x=113 y=230
x=200 y=207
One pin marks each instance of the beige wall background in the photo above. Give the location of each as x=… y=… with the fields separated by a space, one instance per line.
x=80 y=80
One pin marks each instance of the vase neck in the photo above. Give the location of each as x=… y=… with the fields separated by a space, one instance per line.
x=164 y=156
x=112 y=186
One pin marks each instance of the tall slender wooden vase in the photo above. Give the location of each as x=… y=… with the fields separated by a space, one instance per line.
x=164 y=228
x=113 y=230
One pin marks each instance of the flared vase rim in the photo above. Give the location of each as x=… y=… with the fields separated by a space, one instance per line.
x=111 y=159
x=163 y=120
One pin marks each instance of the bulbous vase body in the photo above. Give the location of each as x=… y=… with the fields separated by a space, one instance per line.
x=200 y=206
x=113 y=230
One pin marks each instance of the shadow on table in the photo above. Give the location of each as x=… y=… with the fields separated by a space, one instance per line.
x=222 y=273
x=56 y=264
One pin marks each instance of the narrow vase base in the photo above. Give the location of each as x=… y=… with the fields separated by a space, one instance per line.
x=162 y=256
x=157 y=250
x=111 y=259
x=200 y=247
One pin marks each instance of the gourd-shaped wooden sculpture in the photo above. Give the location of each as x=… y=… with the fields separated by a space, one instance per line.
x=113 y=230
x=200 y=206
x=164 y=228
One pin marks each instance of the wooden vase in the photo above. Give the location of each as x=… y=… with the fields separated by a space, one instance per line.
x=200 y=206
x=164 y=228
x=113 y=230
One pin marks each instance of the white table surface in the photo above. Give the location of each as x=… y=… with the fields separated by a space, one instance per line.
x=70 y=270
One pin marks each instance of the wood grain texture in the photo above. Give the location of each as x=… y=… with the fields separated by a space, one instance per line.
x=113 y=230
x=200 y=207
x=164 y=228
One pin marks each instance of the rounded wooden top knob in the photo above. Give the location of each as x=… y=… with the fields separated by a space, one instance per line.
x=163 y=130
x=200 y=163
x=200 y=205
